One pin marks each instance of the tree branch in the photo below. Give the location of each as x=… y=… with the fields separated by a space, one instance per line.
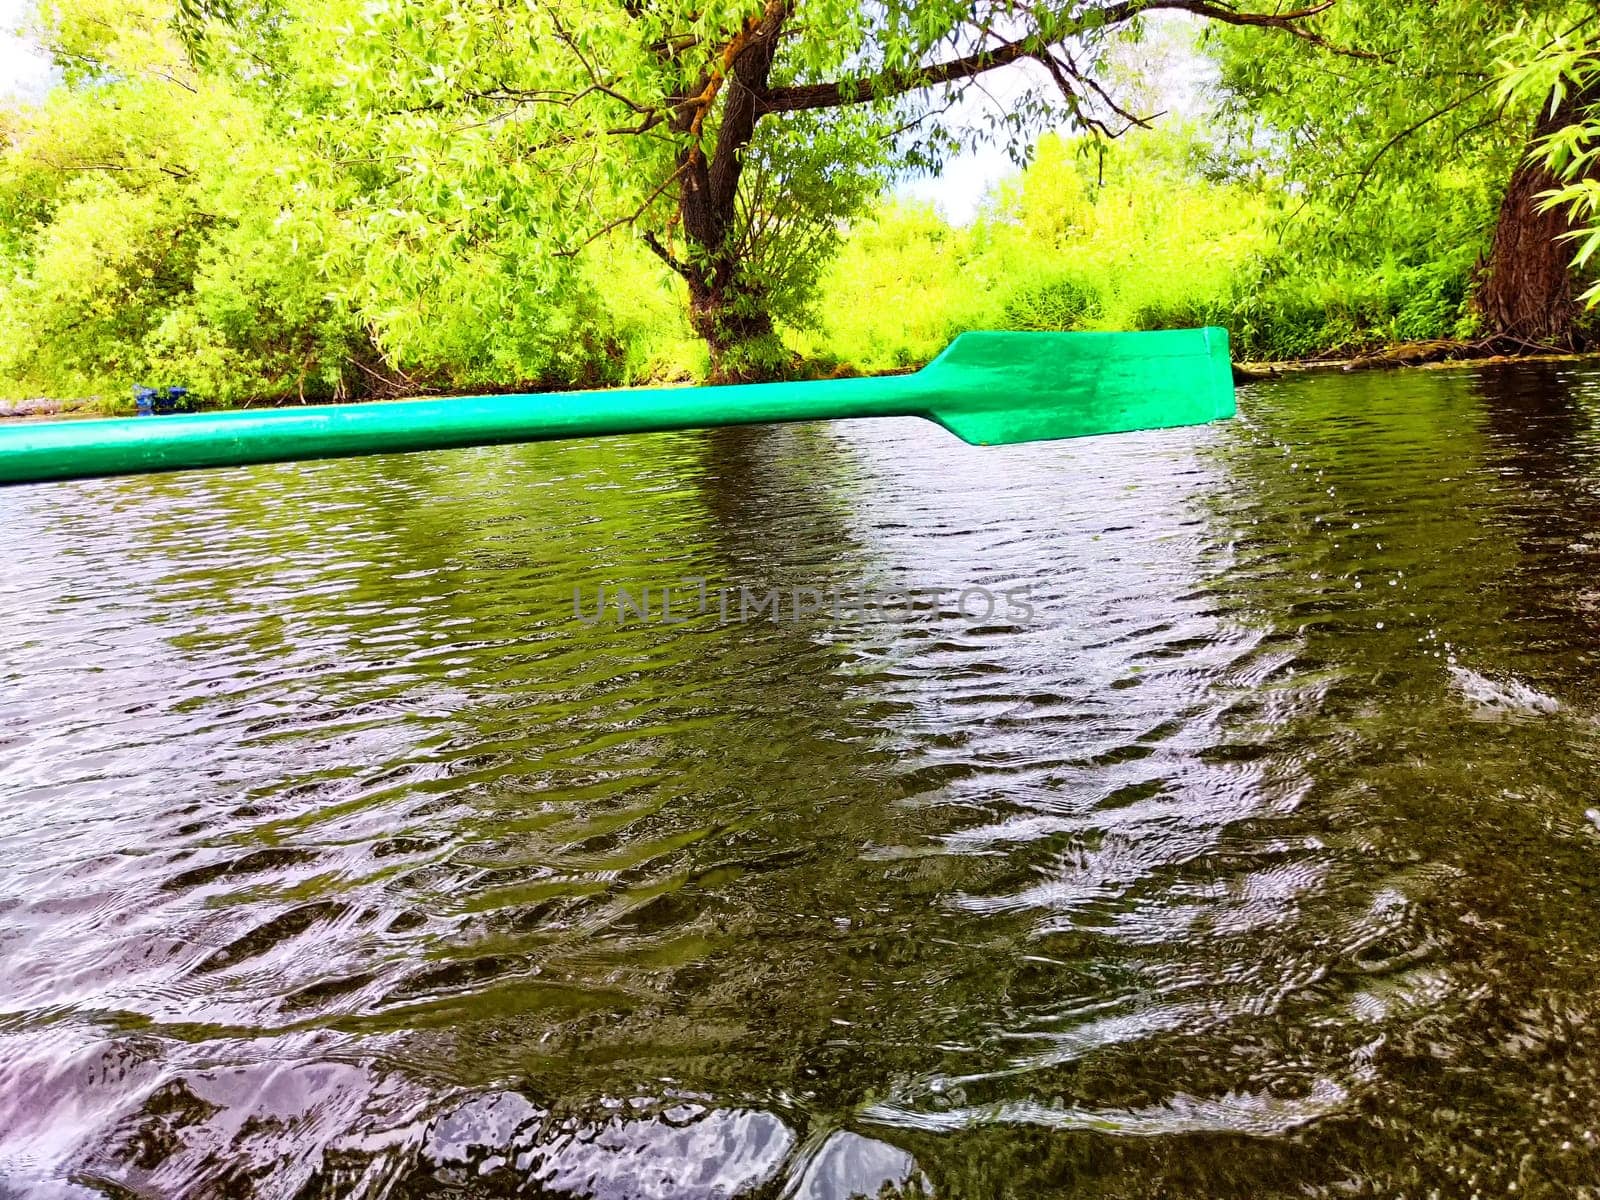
x=1372 y=165
x=629 y=219
x=667 y=256
x=799 y=97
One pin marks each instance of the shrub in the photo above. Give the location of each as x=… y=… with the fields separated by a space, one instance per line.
x=1058 y=303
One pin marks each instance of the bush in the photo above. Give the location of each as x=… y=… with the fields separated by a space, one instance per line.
x=201 y=255
x=1154 y=244
x=1058 y=303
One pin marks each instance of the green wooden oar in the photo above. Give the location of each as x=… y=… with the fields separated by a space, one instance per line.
x=987 y=388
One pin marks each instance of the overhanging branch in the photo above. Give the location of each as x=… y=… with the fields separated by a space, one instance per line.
x=666 y=256
x=629 y=219
x=800 y=97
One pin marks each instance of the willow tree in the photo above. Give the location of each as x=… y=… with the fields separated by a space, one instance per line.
x=713 y=129
x=1399 y=106
x=1561 y=73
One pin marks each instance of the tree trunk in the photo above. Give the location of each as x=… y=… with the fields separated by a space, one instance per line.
x=1527 y=294
x=738 y=332
x=725 y=309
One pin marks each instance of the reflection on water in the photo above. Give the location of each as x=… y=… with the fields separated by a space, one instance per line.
x=340 y=859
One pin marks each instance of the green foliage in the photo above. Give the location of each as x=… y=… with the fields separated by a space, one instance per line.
x=362 y=196
x=162 y=225
x=804 y=181
x=1400 y=96
x=904 y=284
x=1145 y=240
x=1057 y=301
x=140 y=242
x=1392 y=121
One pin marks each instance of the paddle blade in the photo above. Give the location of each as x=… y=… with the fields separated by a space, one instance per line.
x=992 y=389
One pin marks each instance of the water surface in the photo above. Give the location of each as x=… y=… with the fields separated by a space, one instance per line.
x=339 y=857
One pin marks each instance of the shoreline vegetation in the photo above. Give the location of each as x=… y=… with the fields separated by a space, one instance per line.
x=1407 y=356
x=291 y=208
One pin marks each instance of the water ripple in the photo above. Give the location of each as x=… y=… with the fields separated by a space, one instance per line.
x=342 y=858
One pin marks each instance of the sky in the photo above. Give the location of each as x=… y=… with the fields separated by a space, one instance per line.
x=24 y=71
x=960 y=188
x=1175 y=78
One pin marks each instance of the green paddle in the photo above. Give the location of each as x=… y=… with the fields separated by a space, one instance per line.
x=989 y=389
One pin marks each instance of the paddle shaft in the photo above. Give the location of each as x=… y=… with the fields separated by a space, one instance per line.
x=139 y=445
x=987 y=388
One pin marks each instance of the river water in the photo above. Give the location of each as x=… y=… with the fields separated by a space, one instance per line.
x=1251 y=847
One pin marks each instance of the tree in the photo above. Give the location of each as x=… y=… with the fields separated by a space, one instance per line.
x=1405 y=108
x=685 y=122
x=1528 y=295
x=140 y=230
x=163 y=222
x=1563 y=73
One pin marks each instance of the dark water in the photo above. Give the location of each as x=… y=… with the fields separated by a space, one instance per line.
x=337 y=858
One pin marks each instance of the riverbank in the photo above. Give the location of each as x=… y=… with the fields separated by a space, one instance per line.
x=1408 y=356
x=43 y=406
x=1434 y=356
